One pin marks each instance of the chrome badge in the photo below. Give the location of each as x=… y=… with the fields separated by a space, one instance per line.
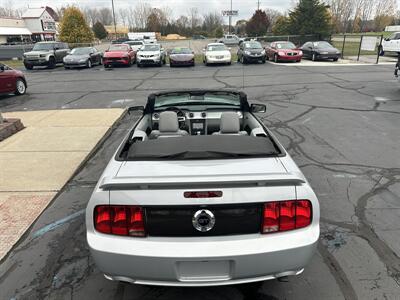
x=203 y=220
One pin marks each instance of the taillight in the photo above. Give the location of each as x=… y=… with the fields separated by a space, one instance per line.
x=120 y=220
x=286 y=215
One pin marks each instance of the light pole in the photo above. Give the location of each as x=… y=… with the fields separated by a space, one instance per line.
x=230 y=19
x=115 y=25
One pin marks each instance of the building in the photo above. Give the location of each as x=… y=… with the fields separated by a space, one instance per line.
x=13 y=30
x=41 y=23
x=36 y=24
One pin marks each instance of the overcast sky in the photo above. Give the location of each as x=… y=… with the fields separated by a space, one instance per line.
x=179 y=7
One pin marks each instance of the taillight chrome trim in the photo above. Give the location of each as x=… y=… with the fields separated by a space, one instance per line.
x=126 y=215
x=294 y=225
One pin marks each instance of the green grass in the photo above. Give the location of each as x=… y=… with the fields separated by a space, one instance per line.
x=13 y=63
x=351 y=48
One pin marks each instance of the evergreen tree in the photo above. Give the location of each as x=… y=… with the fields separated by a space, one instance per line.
x=258 y=24
x=99 y=30
x=310 y=17
x=73 y=27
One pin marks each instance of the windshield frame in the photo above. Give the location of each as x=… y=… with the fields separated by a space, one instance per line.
x=88 y=51
x=210 y=48
x=119 y=47
x=43 y=47
x=150 y=46
x=285 y=44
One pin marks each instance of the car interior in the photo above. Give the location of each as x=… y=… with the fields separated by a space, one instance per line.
x=175 y=122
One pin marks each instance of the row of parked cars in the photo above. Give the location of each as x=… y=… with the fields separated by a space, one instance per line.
x=130 y=52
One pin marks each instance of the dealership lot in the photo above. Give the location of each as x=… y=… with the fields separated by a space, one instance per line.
x=339 y=123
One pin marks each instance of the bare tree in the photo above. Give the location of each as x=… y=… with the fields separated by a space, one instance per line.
x=7 y=10
x=123 y=16
x=141 y=12
x=273 y=16
x=91 y=15
x=366 y=11
x=212 y=21
x=342 y=12
x=105 y=16
x=384 y=13
x=194 y=17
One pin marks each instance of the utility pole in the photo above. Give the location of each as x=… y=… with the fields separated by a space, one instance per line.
x=230 y=19
x=115 y=24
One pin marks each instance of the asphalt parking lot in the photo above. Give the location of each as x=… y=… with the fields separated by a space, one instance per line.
x=339 y=123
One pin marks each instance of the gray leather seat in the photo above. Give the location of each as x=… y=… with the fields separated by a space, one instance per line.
x=230 y=124
x=168 y=126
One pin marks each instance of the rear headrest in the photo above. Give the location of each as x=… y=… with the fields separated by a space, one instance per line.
x=229 y=122
x=168 y=122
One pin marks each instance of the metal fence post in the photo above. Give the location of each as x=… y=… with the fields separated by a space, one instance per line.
x=359 y=48
x=344 y=41
x=379 y=49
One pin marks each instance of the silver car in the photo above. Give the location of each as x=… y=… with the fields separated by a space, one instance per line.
x=201 y=193
x=83 y=57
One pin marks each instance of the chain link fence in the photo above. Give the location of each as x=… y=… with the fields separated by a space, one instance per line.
x=359 y=47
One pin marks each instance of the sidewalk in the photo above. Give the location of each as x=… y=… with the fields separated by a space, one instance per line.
x=36 y=162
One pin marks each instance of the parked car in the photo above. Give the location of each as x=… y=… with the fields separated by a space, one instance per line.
x=119 y=54
x=229 y=39
x=283 y=51
x=151 y=54
x=198 y=37
x=135 y=45
x=46 y=54
x=83 y=57
x=119 y=40
x=320 y=50
x=201 y=193
x=12 y=81
x=251 y=52
x=217 y=53
x=181 y=56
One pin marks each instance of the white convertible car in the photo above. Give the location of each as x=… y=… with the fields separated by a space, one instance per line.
x=201 y=193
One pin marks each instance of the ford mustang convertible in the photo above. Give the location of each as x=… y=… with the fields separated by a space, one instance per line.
x=201 y=193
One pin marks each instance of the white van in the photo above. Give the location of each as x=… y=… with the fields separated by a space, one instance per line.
x=392 y=44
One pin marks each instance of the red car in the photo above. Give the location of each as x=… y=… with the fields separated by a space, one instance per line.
x=11 y=81
x=283 y=51
x=119 y=54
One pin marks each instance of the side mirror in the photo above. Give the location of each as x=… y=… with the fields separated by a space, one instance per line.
x=2 y=68
x=387 y=39
x=56 y=48
x=258 y=108
x=135 y=108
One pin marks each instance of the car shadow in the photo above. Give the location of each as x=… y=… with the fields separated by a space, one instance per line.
x=250 y=291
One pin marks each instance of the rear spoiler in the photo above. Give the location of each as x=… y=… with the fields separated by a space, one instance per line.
x=198 y=181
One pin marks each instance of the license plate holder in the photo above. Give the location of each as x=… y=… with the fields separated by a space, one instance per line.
x=200 y=271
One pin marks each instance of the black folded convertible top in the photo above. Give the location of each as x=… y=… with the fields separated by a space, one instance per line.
x=203 y=147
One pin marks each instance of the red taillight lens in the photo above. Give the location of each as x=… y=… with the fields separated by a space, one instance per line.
x=271 y=217
x=119 y=220
x=136 y=222
x=303 y=213
x=102 y=219
x=286 y=215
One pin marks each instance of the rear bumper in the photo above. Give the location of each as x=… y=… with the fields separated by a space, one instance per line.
x=203 y=261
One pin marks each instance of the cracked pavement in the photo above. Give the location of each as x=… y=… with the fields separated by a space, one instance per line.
x=340 y=124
